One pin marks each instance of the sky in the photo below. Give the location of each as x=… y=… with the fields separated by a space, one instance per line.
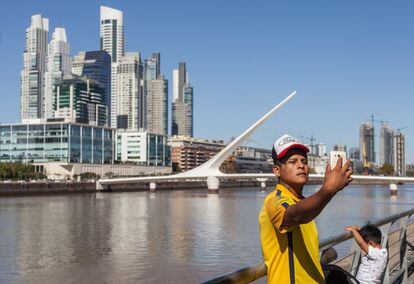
x=347 y=60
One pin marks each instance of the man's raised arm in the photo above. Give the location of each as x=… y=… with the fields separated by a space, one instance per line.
x=309 y=208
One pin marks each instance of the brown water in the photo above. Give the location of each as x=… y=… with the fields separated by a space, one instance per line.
x=163 y=237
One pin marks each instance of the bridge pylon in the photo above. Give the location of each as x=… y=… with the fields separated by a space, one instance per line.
x=152 y=186
x=213 y=184
x=262 y=182
x=393 y=189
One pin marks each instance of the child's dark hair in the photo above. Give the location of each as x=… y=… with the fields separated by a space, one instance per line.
x=371 y=233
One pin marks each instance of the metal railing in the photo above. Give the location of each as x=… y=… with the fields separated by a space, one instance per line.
x=394 y=237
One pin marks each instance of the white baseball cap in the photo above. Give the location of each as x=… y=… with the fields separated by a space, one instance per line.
x=285 y=143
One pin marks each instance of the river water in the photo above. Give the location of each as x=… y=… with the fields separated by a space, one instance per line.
x=183 y=236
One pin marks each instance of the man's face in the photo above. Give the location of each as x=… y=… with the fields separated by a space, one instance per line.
x=294 y=169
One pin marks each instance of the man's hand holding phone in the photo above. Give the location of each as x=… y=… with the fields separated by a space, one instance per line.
x=335 y=155
x=338 y=177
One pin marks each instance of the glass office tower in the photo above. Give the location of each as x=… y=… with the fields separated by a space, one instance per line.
x=56 y=142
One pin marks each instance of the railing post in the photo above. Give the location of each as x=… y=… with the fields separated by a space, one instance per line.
x=403 y=248
x=385 y=230
x=356 y=259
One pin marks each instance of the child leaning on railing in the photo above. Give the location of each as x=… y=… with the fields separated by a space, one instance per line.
x=374 y=263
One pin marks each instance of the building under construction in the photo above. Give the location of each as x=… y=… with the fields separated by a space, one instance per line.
x=366 y=144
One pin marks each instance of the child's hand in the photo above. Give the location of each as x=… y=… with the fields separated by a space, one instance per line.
x=352 y=228
x=357 y=236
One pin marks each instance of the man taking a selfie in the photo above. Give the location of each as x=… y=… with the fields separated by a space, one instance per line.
x=288 y=232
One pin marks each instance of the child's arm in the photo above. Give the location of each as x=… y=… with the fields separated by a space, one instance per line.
x=360 y=241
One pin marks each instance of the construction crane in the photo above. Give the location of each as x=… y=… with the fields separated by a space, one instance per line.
x=312 y=154
x=401 y=128
x=312 y=140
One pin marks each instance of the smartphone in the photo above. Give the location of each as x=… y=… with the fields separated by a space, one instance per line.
x=335 y=157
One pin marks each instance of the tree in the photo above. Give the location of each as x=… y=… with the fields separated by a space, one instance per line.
x=109 y=175
x=387 y=170
x=19 y=171
x=89 y=176
x=176 y=168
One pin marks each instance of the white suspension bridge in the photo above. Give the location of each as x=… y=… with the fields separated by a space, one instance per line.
x=210 y=171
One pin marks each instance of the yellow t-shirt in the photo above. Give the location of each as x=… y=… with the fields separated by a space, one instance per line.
x=291 y=255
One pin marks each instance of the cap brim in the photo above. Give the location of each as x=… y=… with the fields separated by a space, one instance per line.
x=293 y=146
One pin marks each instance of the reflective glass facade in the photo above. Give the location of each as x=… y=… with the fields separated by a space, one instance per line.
x=143 y=148
x=56 y=142
x=81 y=100
x=182 y=106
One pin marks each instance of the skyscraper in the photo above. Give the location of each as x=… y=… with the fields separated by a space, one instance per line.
x=112 y=41
x=95 y=65
x=80 y=99
x=157 y=106
x=339 y=147
x=386 y=145
x=321 y=150
x=128 y=91
x=182 y=105
x=399 y=154
x=152 y=67
x=366 y=146
x=112 y=32
x=354 y=154
x=58 y=66
x=179 y=79
x=152 y=71
x=34 y=66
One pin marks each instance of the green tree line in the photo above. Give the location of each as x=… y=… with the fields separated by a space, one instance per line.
x=19 y=171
